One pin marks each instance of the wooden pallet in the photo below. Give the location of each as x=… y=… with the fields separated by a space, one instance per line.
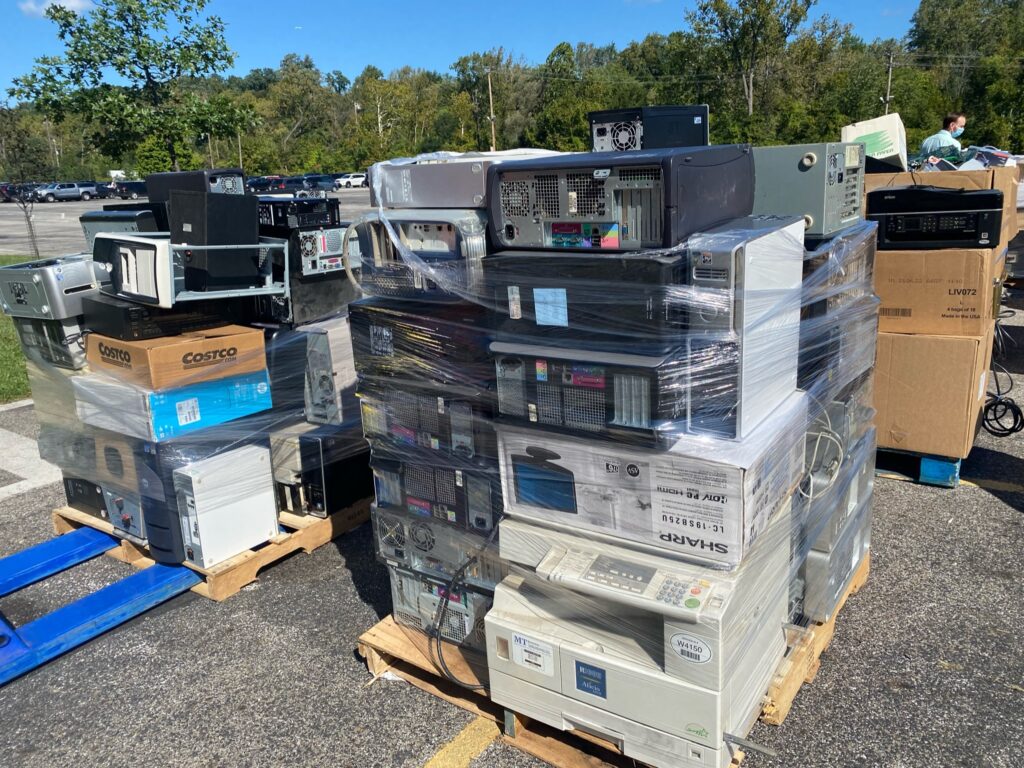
x=225 y=579
x=803 y=656
x=917 y=467
x=409 y=654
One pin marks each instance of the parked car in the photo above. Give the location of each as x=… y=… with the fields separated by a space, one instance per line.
x=10 y=193
x=321 y=181
x=350 y=180
x=104 y=189
x=66 y=190
x=260 y=183
x=130 y=190
x=289 y=184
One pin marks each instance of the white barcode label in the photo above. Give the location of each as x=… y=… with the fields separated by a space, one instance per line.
x=515 y=306
x=691 y=648
x=188 y=411
x=895 y=312
x=982 y=384
x=533 y=654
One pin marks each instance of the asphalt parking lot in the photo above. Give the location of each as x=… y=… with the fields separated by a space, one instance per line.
x=58 y=231
x=926 y=669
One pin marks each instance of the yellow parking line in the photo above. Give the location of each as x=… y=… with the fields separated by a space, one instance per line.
x=466 y=746
x=994 y=485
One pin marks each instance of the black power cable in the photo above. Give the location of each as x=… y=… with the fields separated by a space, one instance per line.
x=1002 y=416
x=442 y=607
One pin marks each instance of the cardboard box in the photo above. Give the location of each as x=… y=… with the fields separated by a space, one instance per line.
x=105 y=402
x=174 y=361
x=948 y=292
x=1003 y=179
x=929 y=392
x=705 y=500
x=884 y=138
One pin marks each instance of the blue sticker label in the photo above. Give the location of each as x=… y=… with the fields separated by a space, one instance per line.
x=551 y=306
x=591 y=679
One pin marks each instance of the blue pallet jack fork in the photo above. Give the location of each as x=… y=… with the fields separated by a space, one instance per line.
x=32 y=645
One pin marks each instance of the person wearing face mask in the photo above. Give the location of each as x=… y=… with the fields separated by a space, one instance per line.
x=946 y=140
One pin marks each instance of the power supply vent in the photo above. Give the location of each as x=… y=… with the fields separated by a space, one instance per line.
x=626 y=135
x=632 y=401
x=453 y=625
x=709 y=273
x=333 y=238
x=639 y=174
x=308 y=245
x=392 y=531
x=586 y=194
x=419 y=482
x=230 y=185
x=515 y=198
x=545 y=188
x=407 y=618
x=444 y=481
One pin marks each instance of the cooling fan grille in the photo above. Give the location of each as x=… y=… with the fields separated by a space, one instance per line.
x=626 y=135
x=392 y=531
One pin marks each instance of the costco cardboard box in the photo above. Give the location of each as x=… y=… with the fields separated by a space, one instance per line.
x=948 y=292
x=929 y=392
x=175 y=361
x=1003 y=179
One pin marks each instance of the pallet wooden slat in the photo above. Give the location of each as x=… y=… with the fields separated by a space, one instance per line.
x=804 y=657
x=919 y=468
x=227 y=578
x=407 y=653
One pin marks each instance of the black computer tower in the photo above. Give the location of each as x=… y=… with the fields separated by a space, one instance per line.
x=205 y=219
x=229 y=181
x=621 y=130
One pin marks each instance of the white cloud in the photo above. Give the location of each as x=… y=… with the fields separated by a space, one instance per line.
x=38 y=7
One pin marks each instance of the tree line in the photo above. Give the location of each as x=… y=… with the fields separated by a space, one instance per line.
x=141 y=86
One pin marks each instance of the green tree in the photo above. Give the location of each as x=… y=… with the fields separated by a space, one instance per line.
x=150 y=45
x=749 y=33
x=337 y=81
x=298 y=100
x=151 y=156
x=23 y=156
x=562 y=119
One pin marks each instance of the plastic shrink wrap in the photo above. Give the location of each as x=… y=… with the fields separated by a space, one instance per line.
x=614 y=476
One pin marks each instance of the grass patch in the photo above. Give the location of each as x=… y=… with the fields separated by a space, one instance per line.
x=13 y=376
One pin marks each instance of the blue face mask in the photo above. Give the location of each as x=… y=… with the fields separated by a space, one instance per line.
x=956 y=133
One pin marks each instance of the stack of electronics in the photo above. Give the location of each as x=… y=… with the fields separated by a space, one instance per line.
x=427 y=389
x=187 y=381
x=943 y=241
x=615 y=409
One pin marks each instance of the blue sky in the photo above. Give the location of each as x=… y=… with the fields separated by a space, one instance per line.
x=348 y=35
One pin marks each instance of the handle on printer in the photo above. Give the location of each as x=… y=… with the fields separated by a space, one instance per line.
x=550 y=562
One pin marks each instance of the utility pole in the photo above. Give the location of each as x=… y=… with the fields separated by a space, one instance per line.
x=490 y=99
x=888 y=85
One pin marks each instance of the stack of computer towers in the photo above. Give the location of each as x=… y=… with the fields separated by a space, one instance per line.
x=651 y=440
x=160 y=378
x=824 y=184
x=427 y=390
x=637 y=354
